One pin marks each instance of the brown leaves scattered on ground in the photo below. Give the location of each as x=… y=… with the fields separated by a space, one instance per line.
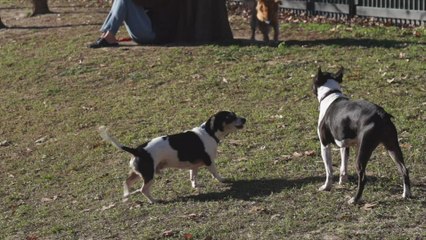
x=285 y=158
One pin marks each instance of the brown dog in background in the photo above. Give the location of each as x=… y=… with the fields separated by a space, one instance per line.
x=265 y=15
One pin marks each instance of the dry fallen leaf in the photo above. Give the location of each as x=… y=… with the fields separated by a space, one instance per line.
x=235 y=142
x=168 y=233
x=187 y=236
x=416 y=33
x=369 y=206
x=241 y=159
x=4 y=143
x=41 y=140
x=258 y=209
x=297 y=154
x=283 y=158
x=310 y=153
x=108 y=207
x=390 y=80
x=31 y=237
x=45 y=199
x=406 y=145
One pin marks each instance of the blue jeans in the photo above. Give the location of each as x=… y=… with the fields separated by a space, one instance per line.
x=135 y=19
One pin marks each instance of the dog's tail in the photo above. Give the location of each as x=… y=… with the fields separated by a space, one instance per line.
x=383 y=114
x=103 y=131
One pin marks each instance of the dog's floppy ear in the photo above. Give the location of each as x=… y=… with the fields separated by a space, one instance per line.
x=214 y=124
x=218 y=121
x=339 y=75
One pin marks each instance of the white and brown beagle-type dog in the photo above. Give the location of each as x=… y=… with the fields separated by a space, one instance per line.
x=187 y=150
x=357 y=123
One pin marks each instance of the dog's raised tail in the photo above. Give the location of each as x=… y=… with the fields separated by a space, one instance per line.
x=103 y=131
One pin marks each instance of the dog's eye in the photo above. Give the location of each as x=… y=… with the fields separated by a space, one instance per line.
x=230 y=118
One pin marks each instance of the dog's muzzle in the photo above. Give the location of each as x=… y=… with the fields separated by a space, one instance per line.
x=240 y=123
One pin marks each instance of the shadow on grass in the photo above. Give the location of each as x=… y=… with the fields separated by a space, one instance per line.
x=248 y=189
x=343 y=42
x=53 y=27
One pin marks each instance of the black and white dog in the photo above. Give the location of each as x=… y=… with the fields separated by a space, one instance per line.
x=187 y=150
x=346 y=123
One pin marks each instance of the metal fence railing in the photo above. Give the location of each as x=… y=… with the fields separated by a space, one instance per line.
x=397 y=11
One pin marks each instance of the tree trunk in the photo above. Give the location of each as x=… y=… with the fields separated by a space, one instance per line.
x=191 y=21
x=40 y=7
x=2 y=25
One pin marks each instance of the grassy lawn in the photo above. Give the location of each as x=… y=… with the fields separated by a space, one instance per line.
x=59 y=180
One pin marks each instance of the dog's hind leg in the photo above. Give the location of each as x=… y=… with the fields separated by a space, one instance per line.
x=365 y=150
x=276 y=31
x=395 y=153
x=344 y=154
x=133 y=177
x=264 y=28
x=146 y=190
x=253 y=23
x=326 y=157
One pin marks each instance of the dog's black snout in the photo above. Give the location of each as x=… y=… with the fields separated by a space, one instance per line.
x=243 y=120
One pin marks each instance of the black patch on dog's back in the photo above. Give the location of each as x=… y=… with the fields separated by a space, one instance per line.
x=189 y=147
x=346 y=119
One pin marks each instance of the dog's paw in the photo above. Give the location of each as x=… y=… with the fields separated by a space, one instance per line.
x=197 y=185
x=407 y=195
x=353 y=201
x=325 y=187
x=343 y=179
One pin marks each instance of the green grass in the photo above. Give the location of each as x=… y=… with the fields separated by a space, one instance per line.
x=57 y=174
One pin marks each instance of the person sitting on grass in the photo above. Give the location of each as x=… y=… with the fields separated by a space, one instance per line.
x=166 y=21
x=136 y=20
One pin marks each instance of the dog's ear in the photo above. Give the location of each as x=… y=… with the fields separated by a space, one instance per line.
x=319 y=73
x=214 y=123
x=218 y=121
x=319 y=78
x=339 y=75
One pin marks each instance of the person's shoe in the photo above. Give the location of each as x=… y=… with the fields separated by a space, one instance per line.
x=102 y=42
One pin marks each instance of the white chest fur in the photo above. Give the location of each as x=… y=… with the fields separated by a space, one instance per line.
x=325 y=103
x=210 y=143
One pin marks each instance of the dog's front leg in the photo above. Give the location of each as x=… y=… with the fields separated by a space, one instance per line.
x=212 y=169
x=326 y=157
x=344 y=153
x=193 y=176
